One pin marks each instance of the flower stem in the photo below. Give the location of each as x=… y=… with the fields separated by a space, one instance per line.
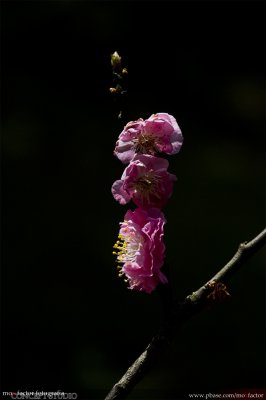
x=177 y=315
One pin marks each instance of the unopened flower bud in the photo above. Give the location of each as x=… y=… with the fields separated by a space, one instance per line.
x=115 y=60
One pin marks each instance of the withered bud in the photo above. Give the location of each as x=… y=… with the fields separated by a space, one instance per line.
x=115 y=60
x=113 y=90
x=116 y=90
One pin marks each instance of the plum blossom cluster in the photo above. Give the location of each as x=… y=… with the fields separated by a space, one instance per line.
x=140 y=250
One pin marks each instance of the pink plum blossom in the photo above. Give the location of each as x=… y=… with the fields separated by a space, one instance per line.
x=158 y=134
x=146 y=182
x=140 y=249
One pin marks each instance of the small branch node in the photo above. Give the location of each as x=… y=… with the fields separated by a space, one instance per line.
x=243 y=246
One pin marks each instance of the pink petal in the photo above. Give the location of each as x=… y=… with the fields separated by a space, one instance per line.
x=119 y=193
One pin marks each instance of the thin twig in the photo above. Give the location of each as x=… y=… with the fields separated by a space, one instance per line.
x=182 y=312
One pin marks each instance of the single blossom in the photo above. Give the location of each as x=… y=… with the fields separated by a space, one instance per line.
x=140 y=250
x=158 y=134
x=146 y=182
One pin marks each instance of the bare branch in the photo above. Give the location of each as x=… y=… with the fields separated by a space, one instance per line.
x=214 y=289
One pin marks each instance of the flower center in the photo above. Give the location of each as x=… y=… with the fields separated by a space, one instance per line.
x=145 y=144
x=147 y=185
x=127 y=246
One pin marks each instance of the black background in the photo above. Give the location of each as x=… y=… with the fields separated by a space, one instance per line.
x=69 y=323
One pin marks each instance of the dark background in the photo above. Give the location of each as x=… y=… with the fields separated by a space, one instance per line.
x=68 y=322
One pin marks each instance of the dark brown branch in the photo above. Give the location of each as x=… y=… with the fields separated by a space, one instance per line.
x=178 y=315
